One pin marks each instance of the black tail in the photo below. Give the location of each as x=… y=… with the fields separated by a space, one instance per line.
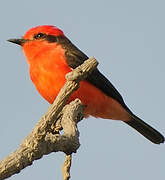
x=146 y=130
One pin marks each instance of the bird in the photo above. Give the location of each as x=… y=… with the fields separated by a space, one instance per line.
x=51 y=55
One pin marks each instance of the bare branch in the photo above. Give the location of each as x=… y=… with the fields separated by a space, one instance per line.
x=41 y=141
x=66 y=167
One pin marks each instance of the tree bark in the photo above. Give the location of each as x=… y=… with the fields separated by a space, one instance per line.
x=43 y=139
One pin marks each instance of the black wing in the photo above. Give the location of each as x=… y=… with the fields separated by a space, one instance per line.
x=76 y=57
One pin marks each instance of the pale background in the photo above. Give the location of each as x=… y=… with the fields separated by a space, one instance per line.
x=128 y=39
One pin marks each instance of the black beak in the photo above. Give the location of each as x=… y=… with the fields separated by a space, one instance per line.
x=17 y=41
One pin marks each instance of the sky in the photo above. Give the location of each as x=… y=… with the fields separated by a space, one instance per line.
x=127 y=38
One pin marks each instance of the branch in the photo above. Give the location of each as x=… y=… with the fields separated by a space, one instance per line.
x=41 y=140
x=66 y=167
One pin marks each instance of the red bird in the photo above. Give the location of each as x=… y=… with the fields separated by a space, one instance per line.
x=51 y=55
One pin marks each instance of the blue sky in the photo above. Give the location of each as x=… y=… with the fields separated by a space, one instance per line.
x=127 y=38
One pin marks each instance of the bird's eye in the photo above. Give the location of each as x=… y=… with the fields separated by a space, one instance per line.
x=39 y=36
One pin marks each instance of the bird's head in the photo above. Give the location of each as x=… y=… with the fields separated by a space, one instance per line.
x=39 y=39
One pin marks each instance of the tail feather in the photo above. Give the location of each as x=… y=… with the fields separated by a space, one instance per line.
x=146 y=130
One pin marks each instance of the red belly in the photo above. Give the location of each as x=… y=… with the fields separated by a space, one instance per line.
x=98 y=104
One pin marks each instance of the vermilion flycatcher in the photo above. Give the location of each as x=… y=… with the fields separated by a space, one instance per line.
x=51 y=55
